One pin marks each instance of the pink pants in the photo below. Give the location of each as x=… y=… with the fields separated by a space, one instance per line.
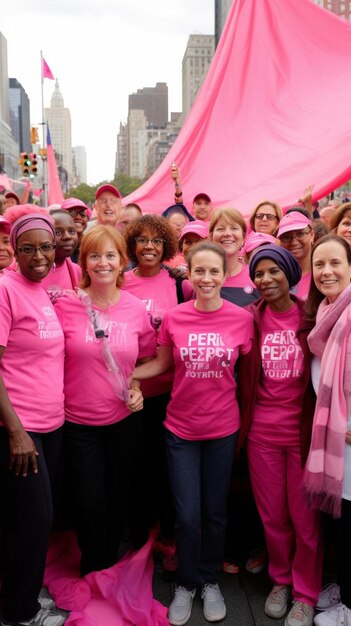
x=292 y=529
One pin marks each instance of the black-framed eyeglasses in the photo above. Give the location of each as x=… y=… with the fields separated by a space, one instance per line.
x=143 y=241
x=46 y=248
x=75 y=212
x=268 y=216
x=294 y=234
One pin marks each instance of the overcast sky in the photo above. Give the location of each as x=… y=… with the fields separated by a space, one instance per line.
x=100 y=52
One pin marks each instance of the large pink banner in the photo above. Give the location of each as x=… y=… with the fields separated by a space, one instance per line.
x=273 y=114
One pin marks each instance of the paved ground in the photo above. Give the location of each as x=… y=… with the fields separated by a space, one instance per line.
x=244 y=596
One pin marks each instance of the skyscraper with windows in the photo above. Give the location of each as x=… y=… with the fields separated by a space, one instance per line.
x=196 y=61
x=19 y=115
x=59 y=120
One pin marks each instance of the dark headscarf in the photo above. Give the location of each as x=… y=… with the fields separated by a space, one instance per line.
x=282 y=257
x=177 y=208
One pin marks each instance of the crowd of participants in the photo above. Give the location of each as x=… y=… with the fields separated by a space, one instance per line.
x=188 y=372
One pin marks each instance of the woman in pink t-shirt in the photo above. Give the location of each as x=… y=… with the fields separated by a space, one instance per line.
x=277 y=411
x=202 y=338
x=106 y=331
x=32 y=414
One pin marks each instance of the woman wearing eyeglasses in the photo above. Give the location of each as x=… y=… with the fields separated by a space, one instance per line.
x=265 y=217
x=296 y=235
x=151 y=241
x=32 y=414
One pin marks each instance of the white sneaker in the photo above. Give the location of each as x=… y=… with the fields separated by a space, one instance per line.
x=301 y=614
x=214 y=608
x=180 y=608
x=42 y=618
x=328 y=597
x=277 y=601
x=45 y=600
x=337 y=616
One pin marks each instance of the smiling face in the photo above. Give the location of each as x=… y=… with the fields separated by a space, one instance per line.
x=344 y=227
x=6 y=251
x=189 y=240
x=229 y=235
x=272 y=285
x=299 y=243
x=108 y=208
x=66 y=237
x=104 y=265
x=207 y=276
x=266 y=220
x=80 y=219
x=149 y=253
x=331 y=269
x=35 y=266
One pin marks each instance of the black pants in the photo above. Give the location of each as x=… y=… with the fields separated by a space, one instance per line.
x=100 y=464
x=26 y=520
x=151 y=481
x=344 y=552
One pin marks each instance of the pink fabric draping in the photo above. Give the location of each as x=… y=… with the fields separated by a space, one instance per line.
x=118 y=596
x=273 y=114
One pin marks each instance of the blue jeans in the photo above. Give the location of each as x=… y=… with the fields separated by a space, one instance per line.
x=199 y=474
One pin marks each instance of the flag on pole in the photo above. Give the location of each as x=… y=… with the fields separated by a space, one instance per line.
x=55 y=195
x=46 y=71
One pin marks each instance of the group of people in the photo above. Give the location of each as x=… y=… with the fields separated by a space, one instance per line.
x=175 y=344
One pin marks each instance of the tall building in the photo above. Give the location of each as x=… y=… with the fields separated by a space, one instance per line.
x=154 y=102
x=19 y=115
x=121 y=154
x=59 y=120
x=340 y=7
x=80 y=164
x=221 y=13
x=196 y=61
x=9 y=148
x=136 y=142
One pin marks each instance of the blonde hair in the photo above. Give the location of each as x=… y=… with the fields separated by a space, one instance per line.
x=94 y=241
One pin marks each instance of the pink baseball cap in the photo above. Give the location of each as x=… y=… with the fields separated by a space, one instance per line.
x=12 y=194
x=74 y=203
x=109 y=188
x=197 y=227
x=254 y=240
x=5 y=225
x=202 y=195
x=293 y=221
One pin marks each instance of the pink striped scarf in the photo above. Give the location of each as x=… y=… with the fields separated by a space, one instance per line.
x=330 y=340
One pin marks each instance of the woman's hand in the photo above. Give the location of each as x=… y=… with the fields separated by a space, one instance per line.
x=348 y=437
x=23 y=453
x=136 y=400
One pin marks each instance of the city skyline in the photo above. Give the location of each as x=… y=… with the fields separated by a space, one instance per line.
x=100 y=54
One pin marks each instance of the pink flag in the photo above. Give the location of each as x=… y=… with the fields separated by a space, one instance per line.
x=55 y=195
x=46 y=71
x=272 y=116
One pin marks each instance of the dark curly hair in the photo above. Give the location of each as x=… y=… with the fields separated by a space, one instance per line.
x=158 y=225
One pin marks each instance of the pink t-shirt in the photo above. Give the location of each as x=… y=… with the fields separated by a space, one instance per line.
x=159 y=294
x=205 y=347
x=32 y=363
x=239 y=289
x=89 y=394
x=278 y=407
x=303 y=286
x=62 y=277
